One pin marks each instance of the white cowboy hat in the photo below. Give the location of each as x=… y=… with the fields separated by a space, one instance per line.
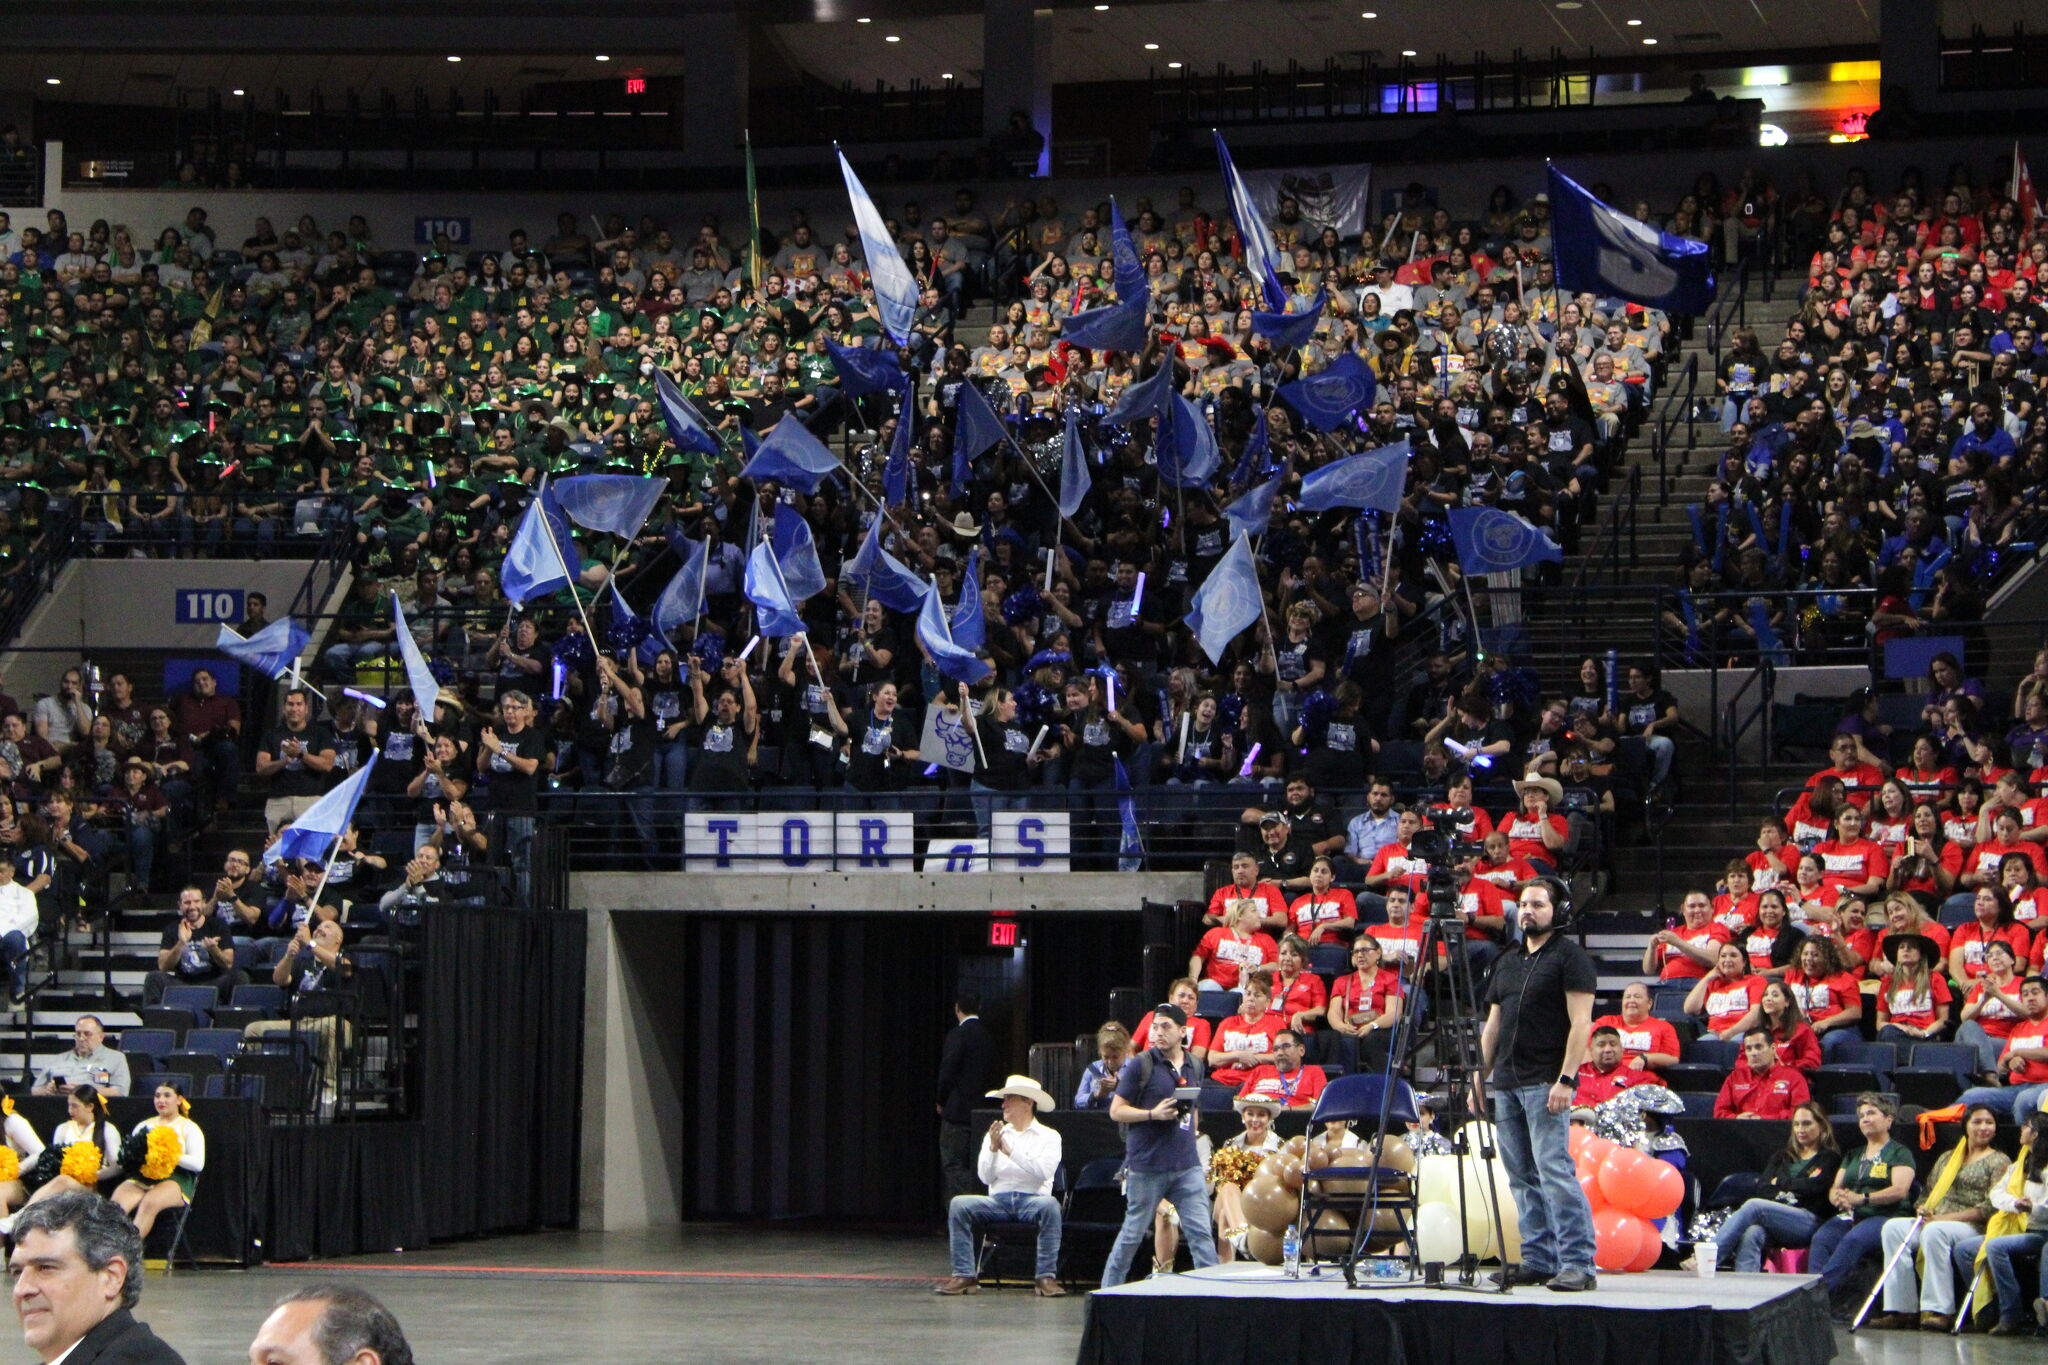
x=965 y=525
x=1266 y=1102
x=1549 y=786
x=1024 y=1088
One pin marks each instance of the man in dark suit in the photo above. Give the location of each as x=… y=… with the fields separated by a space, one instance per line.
x=77 y=1266
x=963 y=1077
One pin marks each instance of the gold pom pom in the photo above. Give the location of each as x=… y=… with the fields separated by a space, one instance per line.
x=165 y=1147
x=10 y=1163
x=82 y=1163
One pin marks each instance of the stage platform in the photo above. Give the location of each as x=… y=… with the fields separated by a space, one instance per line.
x=1253 y=1315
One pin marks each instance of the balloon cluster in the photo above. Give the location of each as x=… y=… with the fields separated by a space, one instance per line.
x=1229 y=710
x=1035 y=705
x=1435 y=541
x=1627 y=1190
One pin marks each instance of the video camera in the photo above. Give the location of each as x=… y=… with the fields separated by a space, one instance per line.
x=1438 y=845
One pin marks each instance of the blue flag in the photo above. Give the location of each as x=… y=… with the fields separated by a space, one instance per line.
x=419 y=676
x=881 y=575
x=1601 y=250
x=976 y=427
x=1131 y=284
x=969 y=623
x=896 y=473
x=1252 y=512
x=1131 y=845
x=1112 y=327
x=1146 y=398
x=617 y=503
x=325 y=820
x=1766 y=444
x=934 y=633
x=1289 y=330
x=683 y=599
x=796 y=551
x=686 y=426
x=1489 y=540
x=1372 y=479
x=1227 y=602
x=793 y=456
x=1074 y=477
x=542 y=558
x=1327 y=398
x=1186 y=449
x=866 y=369
x=1252 y=466
x=895 y=286
x=775 y=613
x=1260 y=257
x=270 y=651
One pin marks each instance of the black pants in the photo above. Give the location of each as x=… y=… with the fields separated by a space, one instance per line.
x=956 y=1158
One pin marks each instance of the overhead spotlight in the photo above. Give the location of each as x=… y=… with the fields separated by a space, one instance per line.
x=1151 y=47
x=863 y=20
x=1370 y=14
x=453 y=58
x=51 y=80
x=892 y=38
x=600 y=57
x=945 y=75
x=1407 y=52
x=1635 y=23
x=1649 y=42
x=1173 y=66
x=237 y=92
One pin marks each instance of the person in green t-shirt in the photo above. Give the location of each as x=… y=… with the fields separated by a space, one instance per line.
x=1874 y=1183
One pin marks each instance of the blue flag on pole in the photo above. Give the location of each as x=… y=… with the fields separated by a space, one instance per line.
x=426 y=688
x=895 y=286
x=1074 y=478
x=1112 y=327
x=1327 y=398
x=1227 y=602
x=1186 y=449
x=683 y=599
x=616 y=503
x=1131 y=285
x=977 y=427
x=866 y=369
x=775 y=614
x=793 y=456
x=896 y=473
x=1259 y=253
x=1131 y=847
x=1146 y=398
x=1252 y=466
x=935 y=634
x=1372 y=479
x=881 y=575
x=686 y=426
x=542 y=558
x=270 y=651
x=1601 y=250
x=325 y=820
x=969 y=623
x=1253 y=509
x=796 y=551
x=1489 y=540
x=1289 y=330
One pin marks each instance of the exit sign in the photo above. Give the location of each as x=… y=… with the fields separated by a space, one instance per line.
x=1002 y=933
x=636 y=85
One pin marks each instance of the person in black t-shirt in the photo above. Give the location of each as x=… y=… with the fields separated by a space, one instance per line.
x=195 y=951
x=1004 y=764
x=722 y=732
x=297 y=756
x=1650 y=713
x=883 y=744
x=509 y=760
x=1284 y=856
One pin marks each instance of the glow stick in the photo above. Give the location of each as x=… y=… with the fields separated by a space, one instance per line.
x=377 y=702
x=1613 y=675
x=557 y=677
x=750 y=648
x=1037 y=740
x=1109 y=676
x=1249 y=759
x=1048 y=569
x=430 y=474
x=1137 y=596
x=1186 y=720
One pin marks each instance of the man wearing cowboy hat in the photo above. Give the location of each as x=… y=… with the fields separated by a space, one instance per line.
x=1017 y=1163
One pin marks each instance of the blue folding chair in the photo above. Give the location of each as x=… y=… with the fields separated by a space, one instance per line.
x=1368 y=1189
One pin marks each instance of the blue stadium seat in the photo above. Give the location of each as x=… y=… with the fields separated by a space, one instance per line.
x=198 y=999
x=153 y=1043
x=270 y=999
x=1216 y=1005
x=221 y=1042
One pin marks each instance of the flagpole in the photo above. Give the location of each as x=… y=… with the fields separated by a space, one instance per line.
x=547 y=527
x=946 y=619
x=809 y=654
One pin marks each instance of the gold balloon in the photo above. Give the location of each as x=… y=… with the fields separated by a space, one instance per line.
x=1270 y=1205
x=1394 y=1153
x=1296 y=1146
x=1287 y=1167
x=1321 y=1153
x=1264 y=1246
x=1332 y=1236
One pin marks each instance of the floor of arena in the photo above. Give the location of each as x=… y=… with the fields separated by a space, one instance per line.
x=719 y=1294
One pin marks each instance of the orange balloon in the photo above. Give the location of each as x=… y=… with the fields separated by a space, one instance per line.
x=1620 y=1172
x=1615 y=1238
x=1577 y=1141
x=1598 y=1147
x=1662 y=1190
x=1649 y=1247
x=1589 y=1181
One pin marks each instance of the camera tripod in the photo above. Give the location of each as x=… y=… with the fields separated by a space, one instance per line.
x=1455 y=1028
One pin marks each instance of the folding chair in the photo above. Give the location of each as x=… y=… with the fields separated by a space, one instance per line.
x=1094 y=1205
x=175 y=1220
x=1357 y=1100
x=270 y=999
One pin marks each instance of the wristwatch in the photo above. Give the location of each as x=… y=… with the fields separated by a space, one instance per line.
x=1567 y=1079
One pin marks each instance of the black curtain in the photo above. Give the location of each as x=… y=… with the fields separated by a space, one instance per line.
x=500 y=1009
x=344 y=1189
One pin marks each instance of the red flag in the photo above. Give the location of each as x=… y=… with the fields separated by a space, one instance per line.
x=2023 y=195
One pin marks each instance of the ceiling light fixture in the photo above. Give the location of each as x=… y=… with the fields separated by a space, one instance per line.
x=1407 y=52
x=1100 y=8
x=600 y=57
x=1151 y=47
x=1173 y=66
x=1569 y=4
x=51 y=80
x=1649 y=42
x=238 y=92
x=453 y=58
x=1370 y=14
x=892 y=38
x=1635 y=23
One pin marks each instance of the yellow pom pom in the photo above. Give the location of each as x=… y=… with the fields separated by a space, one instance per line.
x=82 y=1163
x=10 y=1164
x=165 y=1147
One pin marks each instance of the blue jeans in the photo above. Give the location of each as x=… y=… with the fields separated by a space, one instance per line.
x=1839 y=1246
x=14 y=947
x=1972 y=1034
x=141 y=853
x=1557 y=1224
x=341 y=658
x=1143 y=1190
x=671 y=765
x=519 y=851
x=1835 y=1039
x=1015 y=1205
x=2006 y=1101
x=1758 y=1222
x=1662 y=750
x=1999 y=1255
x=987 y=801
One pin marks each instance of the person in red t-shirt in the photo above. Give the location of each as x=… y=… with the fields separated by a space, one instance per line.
x=1224 y=955
x=1245 y=885
x=1298 y=994
x=1991 y=922
x=1473 y=824
x=1325 y=912
x=1827 y=995
x=1913 y=1001
x=1686 y=950
x=1992 y=1007
x=2023 y=1062
x=1727 y=996
x=1184 y=997
x=1365 y=1005
x=1849 y=860
x=1772 y=862
x=1926 y=776
x=1500 y=866
x=1889 y=817
x=1988 y=853
x=1646 y=1041
x=1735 y=908
x=1859 y=779
x=1605 y=1074
x=1771 y=941
x=1400 y=938
x=1778 y=1014
x=2028 y=898
x=1245 y=1039
x=1392 y=865
x=1284 y=1080
x=1928 y=862
x=1903 y=915
x=1487 y=911
x=1760 y=1087
x=1813 y=815
x=1533 y=832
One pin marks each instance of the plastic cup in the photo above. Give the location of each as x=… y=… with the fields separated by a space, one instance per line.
x=1706 y=1259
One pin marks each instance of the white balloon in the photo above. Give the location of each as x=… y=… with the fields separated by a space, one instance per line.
x=1436 y=1233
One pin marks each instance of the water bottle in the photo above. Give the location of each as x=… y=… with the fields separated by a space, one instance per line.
x=1290 y=1252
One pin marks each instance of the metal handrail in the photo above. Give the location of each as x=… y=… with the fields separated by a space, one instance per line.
x=1677 y=403
x=1766 y=674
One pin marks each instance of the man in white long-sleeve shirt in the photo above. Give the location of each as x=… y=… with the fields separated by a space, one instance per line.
x=1017 y=1163
x=18 y=920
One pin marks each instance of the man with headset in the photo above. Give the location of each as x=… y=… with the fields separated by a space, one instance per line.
x=1539 y=1013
